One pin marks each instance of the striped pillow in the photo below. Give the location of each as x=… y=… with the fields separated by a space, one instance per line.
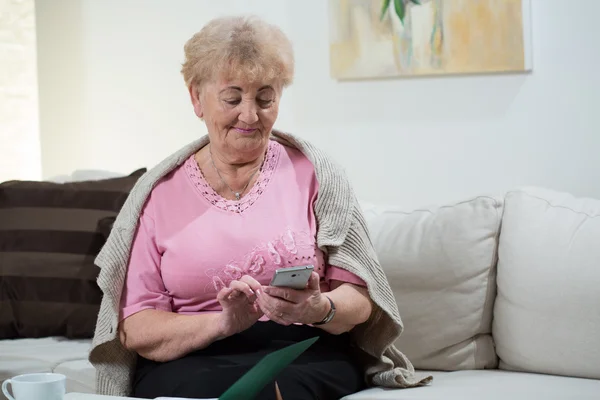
x=49 y=237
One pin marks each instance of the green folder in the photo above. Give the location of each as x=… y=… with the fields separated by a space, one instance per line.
x=265 y=371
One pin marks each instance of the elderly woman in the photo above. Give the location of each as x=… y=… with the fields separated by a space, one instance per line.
x=187 y=306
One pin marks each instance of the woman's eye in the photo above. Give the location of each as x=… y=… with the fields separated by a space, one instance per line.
x=265 y=102
x=232 y=102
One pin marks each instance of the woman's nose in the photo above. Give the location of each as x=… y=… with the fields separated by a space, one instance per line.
x=249 y=114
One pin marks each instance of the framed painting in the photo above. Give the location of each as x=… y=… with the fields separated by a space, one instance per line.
x=394 y=38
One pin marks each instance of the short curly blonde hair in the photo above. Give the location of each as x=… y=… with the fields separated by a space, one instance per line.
x=241 y=47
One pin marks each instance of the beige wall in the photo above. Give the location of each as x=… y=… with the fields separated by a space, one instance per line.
x=112 y=98
x=19 y=133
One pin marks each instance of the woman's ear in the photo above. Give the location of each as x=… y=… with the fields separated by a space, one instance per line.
x=195 y=98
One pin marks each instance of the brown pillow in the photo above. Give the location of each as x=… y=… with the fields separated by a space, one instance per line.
x=49 y=238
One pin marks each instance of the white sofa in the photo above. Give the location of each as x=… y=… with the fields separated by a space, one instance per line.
x=499 y=296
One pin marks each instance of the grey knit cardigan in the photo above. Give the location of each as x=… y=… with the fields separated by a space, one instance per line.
x=342 y=235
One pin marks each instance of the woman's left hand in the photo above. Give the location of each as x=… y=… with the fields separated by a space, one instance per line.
x=288 y=306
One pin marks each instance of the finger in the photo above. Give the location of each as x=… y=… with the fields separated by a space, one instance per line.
x=279 y=318
x=275 y=309
x=290 y=295
x=255 y=309
x=266 y=303
x=229 y=295
x=314 y=282
x=250 y=281
x=242 y=287
x=224 y=294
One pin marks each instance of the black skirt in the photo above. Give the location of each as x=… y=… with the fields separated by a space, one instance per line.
x=326 y=371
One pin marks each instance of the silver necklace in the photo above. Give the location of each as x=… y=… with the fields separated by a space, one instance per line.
x=236 y=194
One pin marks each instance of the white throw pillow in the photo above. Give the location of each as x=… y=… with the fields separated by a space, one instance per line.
x=547 y=313
x=85 y=175
x=441 y=265
x=94 y=175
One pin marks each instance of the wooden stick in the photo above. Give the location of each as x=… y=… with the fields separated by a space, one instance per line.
x=277 y=392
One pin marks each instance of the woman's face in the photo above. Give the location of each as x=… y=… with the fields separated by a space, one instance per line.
x=239 y=116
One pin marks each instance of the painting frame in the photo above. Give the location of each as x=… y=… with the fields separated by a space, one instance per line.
x=365 y=45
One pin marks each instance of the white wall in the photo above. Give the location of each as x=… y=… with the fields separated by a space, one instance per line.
x=19 y=129
x=112 y=98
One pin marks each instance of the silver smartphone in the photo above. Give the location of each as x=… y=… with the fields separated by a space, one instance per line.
x=292 y=277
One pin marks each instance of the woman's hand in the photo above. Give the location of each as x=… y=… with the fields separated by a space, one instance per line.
x=287 y=306
x=240 y=310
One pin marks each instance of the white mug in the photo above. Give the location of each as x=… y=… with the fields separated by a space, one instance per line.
x=43 y=386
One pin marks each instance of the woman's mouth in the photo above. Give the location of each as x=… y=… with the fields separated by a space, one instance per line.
x=244 y=131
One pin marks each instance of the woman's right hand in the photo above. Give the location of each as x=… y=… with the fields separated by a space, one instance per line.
x=240 y=309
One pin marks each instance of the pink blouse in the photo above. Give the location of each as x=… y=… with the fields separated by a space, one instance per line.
x=191 y=242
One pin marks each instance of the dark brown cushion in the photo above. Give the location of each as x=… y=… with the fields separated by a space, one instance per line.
x=49 y=236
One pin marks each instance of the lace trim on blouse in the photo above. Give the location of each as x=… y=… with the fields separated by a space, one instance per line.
x=237 y=206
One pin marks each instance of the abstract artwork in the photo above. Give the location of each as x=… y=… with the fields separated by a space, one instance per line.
x=390 y=38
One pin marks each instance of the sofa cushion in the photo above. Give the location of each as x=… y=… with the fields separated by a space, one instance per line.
x=547 y=314
x=490 y=385
x=24 y=356
x=440 y=263
x=49 y=237
x=81 y=375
